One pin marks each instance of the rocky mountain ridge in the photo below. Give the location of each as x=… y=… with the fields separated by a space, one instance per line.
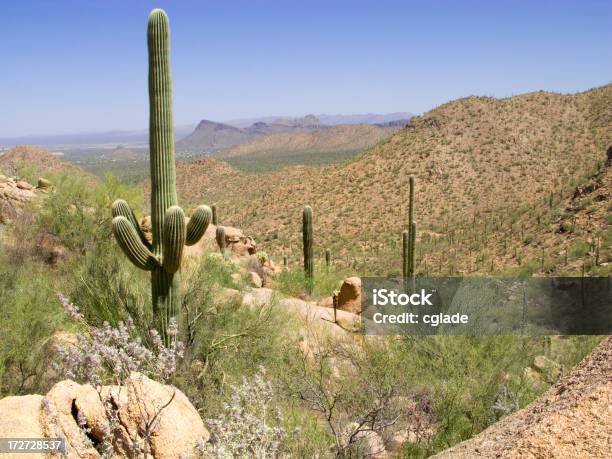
x=210 y=136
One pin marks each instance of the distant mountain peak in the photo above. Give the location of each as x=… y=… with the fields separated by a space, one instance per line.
x=208 y=124
x=210 y=136
x=304 y=121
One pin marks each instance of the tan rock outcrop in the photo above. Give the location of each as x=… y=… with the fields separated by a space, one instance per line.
x=349 y=297
x=43 y=183
x=145 y=418
x=23 y=185
x=13 y=194
x=571 y=420
x=21 y=417
x=237 y=243
x=255 y=280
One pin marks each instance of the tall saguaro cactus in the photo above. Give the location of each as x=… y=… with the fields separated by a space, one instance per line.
x=163 y=255
x=308 y=250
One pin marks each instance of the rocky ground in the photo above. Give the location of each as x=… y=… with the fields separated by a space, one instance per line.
x=148 y=419
x=573 y=419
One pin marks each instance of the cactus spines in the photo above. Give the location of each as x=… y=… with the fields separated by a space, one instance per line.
x=307 y=242
x=169 y=233
x=327 y=258
x=214 y=215
x=220 y=237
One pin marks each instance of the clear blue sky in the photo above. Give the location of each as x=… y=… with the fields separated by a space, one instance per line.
x=73 y=66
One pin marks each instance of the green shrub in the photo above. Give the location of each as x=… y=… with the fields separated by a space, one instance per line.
x=579 y=249
x=29 y=316
x=326 y=281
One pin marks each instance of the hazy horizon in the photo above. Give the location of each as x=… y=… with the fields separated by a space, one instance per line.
x=82 y=68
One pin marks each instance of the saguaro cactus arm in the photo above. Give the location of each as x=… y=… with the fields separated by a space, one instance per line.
x=174 y=239
x=122 y=208
x=132 y=246
x=198 y=223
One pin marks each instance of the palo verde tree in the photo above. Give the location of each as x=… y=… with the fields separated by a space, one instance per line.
x=164 y=254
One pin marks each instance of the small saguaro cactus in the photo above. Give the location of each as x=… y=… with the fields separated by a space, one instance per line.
x=550 y=200
x=220 y=237
x=410 y=202
x=413 y=230
x=406 y=253
x=409 y=240
x=163 y=255
x=308 y=250
x=327 y=258
x=214 y=215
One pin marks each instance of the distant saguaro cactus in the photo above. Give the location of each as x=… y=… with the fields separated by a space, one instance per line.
x=170 y=233
x=413 y=230
x=406 y=253
x=409 y=248
x=214 y=215
x=220 y=237
x=307 y=242
x=327 y=258
x=410 y=202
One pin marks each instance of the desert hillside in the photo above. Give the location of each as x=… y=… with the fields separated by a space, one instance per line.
x=348 y=137
x=494 y=177
x=32 y=157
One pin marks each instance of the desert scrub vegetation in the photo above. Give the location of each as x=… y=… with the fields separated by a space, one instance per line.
x=325 y=281
x=29 y=320
x=443 y=389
